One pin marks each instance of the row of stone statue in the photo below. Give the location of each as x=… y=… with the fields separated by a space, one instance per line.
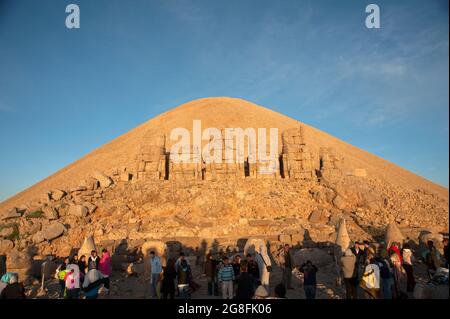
x=296 y=161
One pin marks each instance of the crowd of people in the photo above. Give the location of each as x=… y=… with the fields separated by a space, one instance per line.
x=368 y=271
x=386 y=272
x=80 y=276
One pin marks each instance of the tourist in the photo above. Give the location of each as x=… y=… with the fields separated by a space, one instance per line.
x=92 y=283
x=432 y=259
x=74 y=259
x=395 y=248
x=61 y=272
x=156 y=271
x=105 y=267
x=261 y=293
x=183 y=275
x=386 y=274
x=13 y=289
x=253 y=268
x=236 y=265
x=226 y=278
x=236 y=268
x=72 y=281
x=82 y=265
x=93 y=260
x=168 y=280
x=210 y=273
x=309 y=279
x=446 y=251
x=179 y=260
x=370 y=281
x=400 y=280
x=348 y=262
x=408 y=259
x=285 y=260
x=245 y=283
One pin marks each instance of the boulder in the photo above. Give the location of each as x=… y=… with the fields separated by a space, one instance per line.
x=339 y=202
x=90 y=184
x=19 y=262
x=6 y=232
x=5 y=246
x=78 y=211
x=318 y=216
x=285 y=238
x=90 y=207
x=105 y=181
x=53 y=231
x=58 y=194
x=50 y=212
x=12 y=213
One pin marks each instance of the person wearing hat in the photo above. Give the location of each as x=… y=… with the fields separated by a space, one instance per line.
x=261 y=293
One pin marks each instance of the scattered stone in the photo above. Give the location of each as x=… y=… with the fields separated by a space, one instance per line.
x=90 y=207
x=58 y=194
x=5 y=246
x=50 y=212
x=12 y=213
x=339 y=202
x=78 y=211
x=105 y=181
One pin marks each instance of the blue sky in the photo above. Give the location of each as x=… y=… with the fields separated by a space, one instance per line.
x=65 y=92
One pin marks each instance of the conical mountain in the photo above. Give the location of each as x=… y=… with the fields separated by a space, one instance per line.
x=220 y=112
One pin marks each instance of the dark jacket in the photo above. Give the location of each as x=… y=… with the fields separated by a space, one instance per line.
x=245 y=286
x=168 y=282
x=82 y=266
x=183 y=275
x=309 y=274
x=236 y=269
x=253 y=269
x=210 y=268
x=13 y=291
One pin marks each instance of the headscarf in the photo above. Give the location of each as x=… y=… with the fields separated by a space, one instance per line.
x=9 y=278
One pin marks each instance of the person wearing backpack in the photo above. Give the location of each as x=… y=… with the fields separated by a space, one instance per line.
x=370 y=281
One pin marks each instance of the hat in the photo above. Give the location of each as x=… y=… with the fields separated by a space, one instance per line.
x=261 y=292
